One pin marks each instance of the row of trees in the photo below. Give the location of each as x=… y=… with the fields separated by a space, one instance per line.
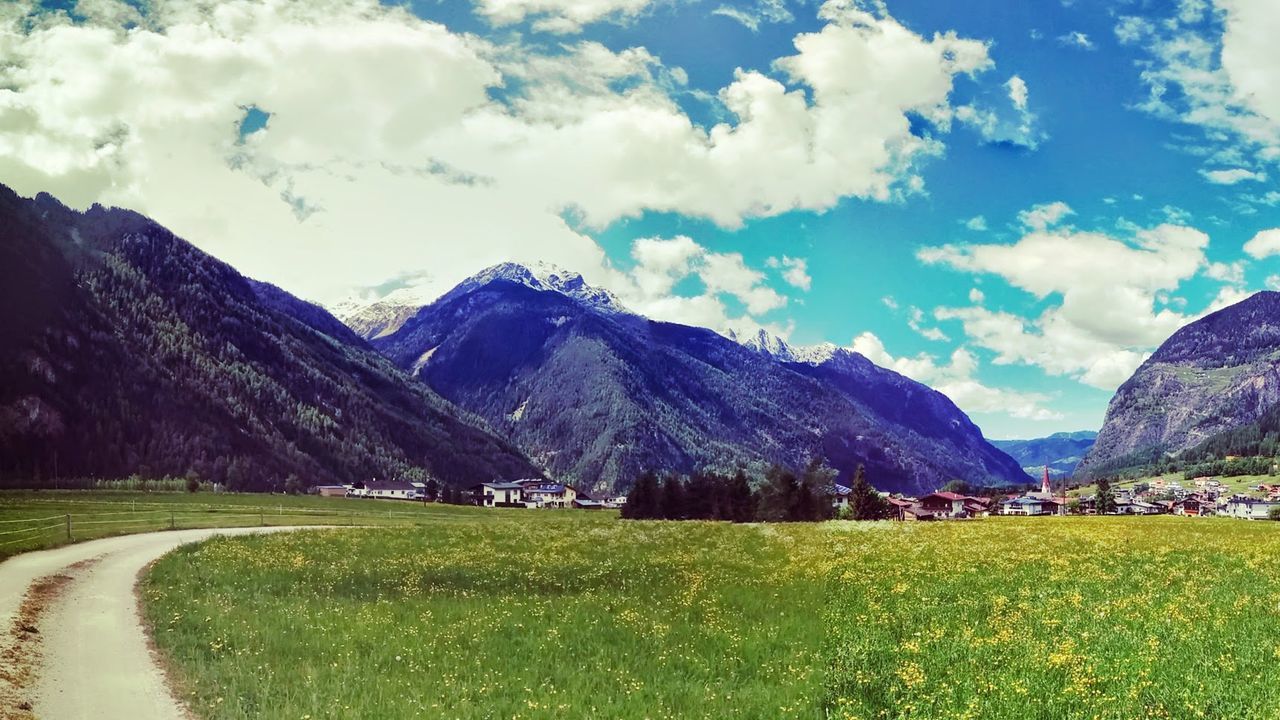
x=782 y=496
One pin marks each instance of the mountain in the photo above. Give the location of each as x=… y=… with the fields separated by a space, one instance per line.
x=1062 y=452
x=124 y=349
x=1212 y=376
x=597 y=394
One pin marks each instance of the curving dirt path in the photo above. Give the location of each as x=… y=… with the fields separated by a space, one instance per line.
x=71 y=642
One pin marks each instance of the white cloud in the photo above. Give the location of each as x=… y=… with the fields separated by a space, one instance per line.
x=955 y=379
x=446 y=151
x=1043 y=217
x=1076 y=39
x=1273 y=282
x=1231 y=176
x=976 y=296
x=795 y=271
x=977 y=223
x=1231 y=273
x=915 y=320
x=1264 y=244
x=889 y=302
x=1017 y=92
x=662 y=263
x=1109 y=317
x=560 y=16
x=764 y=12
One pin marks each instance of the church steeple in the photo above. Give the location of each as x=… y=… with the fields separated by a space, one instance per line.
x=1045 y=487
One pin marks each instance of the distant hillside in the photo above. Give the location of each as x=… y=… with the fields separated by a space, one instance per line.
x=1062 y=452
x=597 y=395
x=1210 y=378
x=124 y=349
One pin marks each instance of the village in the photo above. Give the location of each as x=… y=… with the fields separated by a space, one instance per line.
x=1202 y=497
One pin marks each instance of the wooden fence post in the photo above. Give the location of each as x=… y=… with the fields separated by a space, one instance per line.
x=68 y=528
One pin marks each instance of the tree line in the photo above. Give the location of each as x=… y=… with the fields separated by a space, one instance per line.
x=782 y=496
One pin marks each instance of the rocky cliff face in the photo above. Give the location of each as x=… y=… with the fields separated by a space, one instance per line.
x=1214 y=375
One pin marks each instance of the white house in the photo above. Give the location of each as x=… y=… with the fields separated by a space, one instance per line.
x=501 y=494
x=549 y=495
x=391 y=490
x=1248 y=508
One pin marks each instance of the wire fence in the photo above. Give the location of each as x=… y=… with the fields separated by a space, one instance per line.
x=18 y=534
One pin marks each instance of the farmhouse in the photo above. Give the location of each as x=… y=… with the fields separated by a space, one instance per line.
x=944 y=504
x=332 y=490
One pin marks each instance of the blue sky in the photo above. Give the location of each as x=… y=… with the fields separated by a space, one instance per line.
x=1065 y=183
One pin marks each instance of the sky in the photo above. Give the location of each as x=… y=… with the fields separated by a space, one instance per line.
x=1014 y=202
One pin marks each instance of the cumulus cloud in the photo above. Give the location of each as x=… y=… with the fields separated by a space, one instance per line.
x=1110 y=315
x=795 y=271
x=560 y=16
x=977 y=223
x=1017 y=92
x=660 y=264
x=1015 y=125
x=1042 y=217
x=1264 y=244
x=955 y=379
x=446 y=151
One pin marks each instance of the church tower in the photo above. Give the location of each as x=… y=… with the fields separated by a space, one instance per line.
x=1045 y=487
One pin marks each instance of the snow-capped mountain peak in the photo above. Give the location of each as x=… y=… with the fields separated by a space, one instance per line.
x=766 y=343
x=545 y=276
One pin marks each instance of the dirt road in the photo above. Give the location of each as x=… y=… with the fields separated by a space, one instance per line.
x=72 y=645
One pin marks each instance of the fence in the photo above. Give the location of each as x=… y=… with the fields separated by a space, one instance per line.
x=29 y=533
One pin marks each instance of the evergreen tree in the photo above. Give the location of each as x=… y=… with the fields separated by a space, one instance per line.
x=1106 y=497
x=673 y=499
x=703 y=497
x=293 y=485
x=740 y=502
x=642 y=501
x=432 y=490
x=778 y=495
x=864 y=502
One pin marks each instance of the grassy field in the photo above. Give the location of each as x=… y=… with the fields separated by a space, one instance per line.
x=545 y=615
x=31 y=520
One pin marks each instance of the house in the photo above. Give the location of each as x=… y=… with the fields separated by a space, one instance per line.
x=585 y=503
x=1028 y=505
x=1190 y=507
x=901 y=506
x=500 y=494
x=616 y=501
x=840 y=496
x=332 y=490
x=1248 y=508
x=548 y=495
x=391 y=490
x=945 y=504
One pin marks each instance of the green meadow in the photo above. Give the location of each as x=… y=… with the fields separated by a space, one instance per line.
x=531 y=614
x=38 y=519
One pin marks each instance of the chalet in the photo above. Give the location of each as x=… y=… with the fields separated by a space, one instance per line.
x=1190 y=507
x=901 y=506
x=500 y=494
x=391 y=490
x=944 y=504
x=915 y=512
x=1248 y=508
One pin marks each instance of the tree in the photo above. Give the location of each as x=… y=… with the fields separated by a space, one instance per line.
x=1073 y=506
x=1274 y=513
x=777 y=495
x=432 y=490
x=193 y=482
x=293 y=484
x=1106 y=497
x=813 y=500
x=673 y=499
x=642 y=501
x=864 y=502
x=703 y=497
x=740 y=502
